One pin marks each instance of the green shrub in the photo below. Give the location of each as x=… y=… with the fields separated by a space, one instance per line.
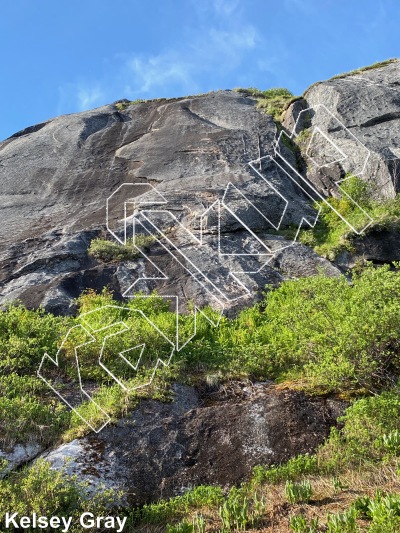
x=27 y=410
x=175 y=508
x=31 y=418
x=272 y=101
x=378 y=64
x=380 y=514
x=383 y=512
x=338 y=485
x=235 y=511
x=345 y=522
x=110 y=251
x=361 y=505
x=48 y=492
x=182 y=527
x=333 y=335
x=291 y=470
x=199 y=524
x=361 y=439
x=298 y=492
x=126 y=103
x=332 y=235
x=242 y=507
x=299 y=524
x=391 y=442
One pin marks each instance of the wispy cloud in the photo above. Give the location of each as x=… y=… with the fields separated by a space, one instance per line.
x=232 y=43
x=148 y=73
x=221 y=41
x=80 y=96
x=217 y=43
x=89 y=97
x=225 y=7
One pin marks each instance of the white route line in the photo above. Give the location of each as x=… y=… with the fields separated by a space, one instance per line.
x=196 y=268
x=337 y=183
x=317 y=130
x=161 y=200
x=90 y=333
x=56 y=363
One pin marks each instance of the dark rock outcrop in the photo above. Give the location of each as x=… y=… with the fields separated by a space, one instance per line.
x=380 y=245
x=160 y=450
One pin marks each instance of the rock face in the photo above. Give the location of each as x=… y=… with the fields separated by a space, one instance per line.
x=19 y=455
x=160 y=450
x=381 y=245
x=56 y=178
x=358 y=118
x=195 y=190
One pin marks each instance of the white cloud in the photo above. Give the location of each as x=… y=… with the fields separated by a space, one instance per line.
x=89 y=97
x=210 y=49
x=225 y=7
x=80 y=96
x=217 y=43
x=233 y=41
x=156 y=71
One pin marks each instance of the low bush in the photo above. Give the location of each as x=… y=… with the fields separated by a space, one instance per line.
x=123 y=104
x=332 y=235
x=299 y=524
x=176 y=508
x=363 y=438
x=378 y=64
x=345 y=522
x=111 y=251
x=47 y=492
x=291 y=470
x=298 y=492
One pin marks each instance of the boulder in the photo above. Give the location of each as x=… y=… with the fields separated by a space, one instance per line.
x=202 y=437
x=364 y=128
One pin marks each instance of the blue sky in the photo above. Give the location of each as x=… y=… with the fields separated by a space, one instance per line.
x=67 y=56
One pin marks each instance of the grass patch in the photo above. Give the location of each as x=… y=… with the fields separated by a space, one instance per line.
x=272 y=101
x=378 y=64
x=123 y=104
x=40 y=490
x=29 y=409
x=331 y=335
